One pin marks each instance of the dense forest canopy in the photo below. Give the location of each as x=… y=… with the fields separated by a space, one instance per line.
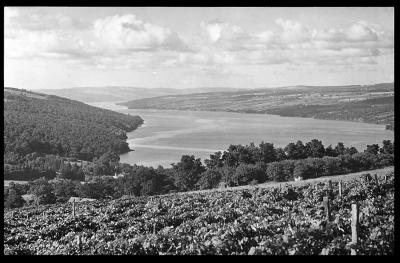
x=46 y=124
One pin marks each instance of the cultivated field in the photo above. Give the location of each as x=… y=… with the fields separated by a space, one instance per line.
x=308 y=219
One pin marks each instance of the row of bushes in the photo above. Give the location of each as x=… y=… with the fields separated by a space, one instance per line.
x=287 y=170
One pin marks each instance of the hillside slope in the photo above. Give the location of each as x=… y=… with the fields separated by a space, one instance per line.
x=35 y=122
x=368 y=103
x=287 y=221
x=119 y=93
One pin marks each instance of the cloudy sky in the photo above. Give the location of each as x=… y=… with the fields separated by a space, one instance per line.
x=179 y=47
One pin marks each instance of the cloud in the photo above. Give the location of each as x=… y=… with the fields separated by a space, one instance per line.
x=107 y=42
x=359 y=42
x=293 y=31
x=125 y=41
x=356 y=32
x=129 y=33
x=39 y=19
x=218 y=30
x=360 y=32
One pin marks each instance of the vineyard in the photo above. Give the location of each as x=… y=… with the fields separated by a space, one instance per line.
x=311 y=219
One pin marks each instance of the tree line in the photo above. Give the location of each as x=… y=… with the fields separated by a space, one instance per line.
x=238 y=165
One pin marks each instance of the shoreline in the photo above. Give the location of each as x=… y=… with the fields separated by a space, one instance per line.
x=260 y=113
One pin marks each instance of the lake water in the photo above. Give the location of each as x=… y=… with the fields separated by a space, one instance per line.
x=166 y=135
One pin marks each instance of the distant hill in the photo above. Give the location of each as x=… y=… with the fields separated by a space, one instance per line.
x=37 y=123
x=364 y=103
x=121 y=93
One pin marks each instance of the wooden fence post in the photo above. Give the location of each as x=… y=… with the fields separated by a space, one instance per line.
x=330 y=191
x=376 y=179
x=73 y=208
x=340 y=189
x=354 y=226
x=326 y=206
x=79 y=242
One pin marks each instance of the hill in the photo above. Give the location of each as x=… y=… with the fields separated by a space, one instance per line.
x=292 y=220
x=364 y=103
x=46 y=124
x=120 y=93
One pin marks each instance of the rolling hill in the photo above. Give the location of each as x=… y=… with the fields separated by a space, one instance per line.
x=119 y=93
x=364 y=103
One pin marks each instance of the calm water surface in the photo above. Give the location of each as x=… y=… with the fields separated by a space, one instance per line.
x=166 y=135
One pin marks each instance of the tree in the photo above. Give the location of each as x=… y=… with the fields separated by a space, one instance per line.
x=187 y=172
x=352 y=150
x=372 y=149
x=43 y=191
x=387 y=147
x=329 y=151
x=227 y=173
x=385 y=159
x=140 y=181
x=365 y=160
x=209 y=179
x=215 y=160
x=280 y=154
x=245 y=173
x=280 y=171
x=301 y=150
x=23 y=148
x=165 y=179
x=332 y=166
x=91 y=189
x=267 y=152
x=291 y=151
x=64 y=189
x=316 y=167
x=106 y=164
x=296 y=151
x=13 y=199
x=301 y=170
x=340 y=149
x=315 y=149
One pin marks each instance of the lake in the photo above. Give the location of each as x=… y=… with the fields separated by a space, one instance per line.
x=166 y=135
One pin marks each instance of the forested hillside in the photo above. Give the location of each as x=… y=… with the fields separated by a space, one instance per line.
x=363 y=103
x=46 y=124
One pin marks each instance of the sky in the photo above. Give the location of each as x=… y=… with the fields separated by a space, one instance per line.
x=182 y=47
